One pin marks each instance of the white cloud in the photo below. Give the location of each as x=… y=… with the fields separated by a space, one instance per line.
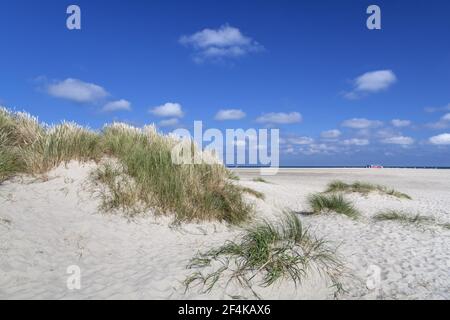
x=330 y=134
x=230 y=114
x=386 y=133
x=443 y=123
x=434 y=109
x=117 y=106
x=77 y=90
x=280 y=118
x=168 y=109
x=371 y=82
x=361 y=123
x=442 y=139
x=375 y=81
x=300 y=140
x=400 y=140
x=321 y=148
x=289 y=150
x=172 y=122
x=364 y=132
x=356 y=142
x=216 y=44
x=400 y=123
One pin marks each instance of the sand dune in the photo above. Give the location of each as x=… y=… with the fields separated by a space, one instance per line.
x=50 y=223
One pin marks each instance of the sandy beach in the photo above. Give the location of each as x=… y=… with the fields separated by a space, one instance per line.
x=50 y=223
x=189 y=153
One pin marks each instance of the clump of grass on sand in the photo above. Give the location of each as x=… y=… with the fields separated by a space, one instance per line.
x=259 y=179
x=61 y=144
x=395 y=215
x=5 y=221
x=233 y=176
x=268 y=252
x=363 y=188
x=9 y=159
x=408 y=218
x=117 y=189
x=30 y=147
x=190 y=191
x=147 y=174
x=332 y=203
x=253 y=192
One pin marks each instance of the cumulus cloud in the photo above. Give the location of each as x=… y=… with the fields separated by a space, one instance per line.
x=400 y=123
x=355 y=142
x=221 y=43
x=77 y=90
x=289 y=150
x=399 y=140
x=230 y=114
x=319 y=148
x=172 y=122
x=441 y=139
x=371 y=82
x=361 y=123
x=119 y=105
x=280 y=118
x=444 y=122
x=437 y=109
x=169 y=110
x=346 y=146
x=300 y=140
x=386 y=133
x=331 y=134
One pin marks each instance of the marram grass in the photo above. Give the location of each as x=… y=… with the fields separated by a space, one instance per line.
x=320 y=202
x=401 y=216
x=37 y=148
x=191 y=192
x=264 y=254
x=363 y=188
x=259 y=179
x=147 y=177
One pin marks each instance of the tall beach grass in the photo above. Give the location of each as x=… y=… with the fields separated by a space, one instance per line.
x=320 y=202
x=363 y=188
x=265 y=253
x=201 y=191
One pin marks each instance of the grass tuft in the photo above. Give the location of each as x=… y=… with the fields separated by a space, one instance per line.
x=394 y=215
x=270 y=252
x=147 y=176
x=119 y=191
x=363 y=188
x=408 y=218
x=332 y=203
x=233 y=176
x=61 y=144
x=9 y=159
x=30 y=147
x=259 y=179
x=193 y=192
x=253 y=192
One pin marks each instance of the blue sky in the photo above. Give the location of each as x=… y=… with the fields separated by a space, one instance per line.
x=310 y=68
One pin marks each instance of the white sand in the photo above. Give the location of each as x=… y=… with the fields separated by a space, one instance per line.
x=47 y=226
